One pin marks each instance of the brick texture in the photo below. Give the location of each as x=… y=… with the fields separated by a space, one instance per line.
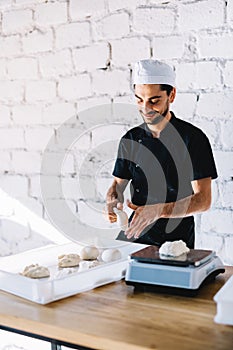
x=64 y=63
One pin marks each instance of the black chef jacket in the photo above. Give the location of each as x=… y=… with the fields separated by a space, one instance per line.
x=160 y=170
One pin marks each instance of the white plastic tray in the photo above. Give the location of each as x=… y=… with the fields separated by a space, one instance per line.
x=224 y=300
x=56 y=287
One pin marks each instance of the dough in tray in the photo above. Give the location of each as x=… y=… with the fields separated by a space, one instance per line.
x=86 y=265
x=35 y=271
x=89 y=253
x=87 y=259
x=68 y=260
x=110 y=255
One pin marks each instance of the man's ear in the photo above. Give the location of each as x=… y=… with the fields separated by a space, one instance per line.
x=172 y=95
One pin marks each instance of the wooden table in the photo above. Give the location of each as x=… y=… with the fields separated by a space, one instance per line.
x=115 y=317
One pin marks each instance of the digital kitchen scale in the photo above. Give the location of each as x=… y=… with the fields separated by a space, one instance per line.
x=183 y=274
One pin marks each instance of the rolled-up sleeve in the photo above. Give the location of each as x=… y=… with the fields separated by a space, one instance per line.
x=202 y=158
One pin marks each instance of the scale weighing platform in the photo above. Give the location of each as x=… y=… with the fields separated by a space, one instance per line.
x=183 y=274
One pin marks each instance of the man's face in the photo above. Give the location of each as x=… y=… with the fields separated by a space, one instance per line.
x=153 y=103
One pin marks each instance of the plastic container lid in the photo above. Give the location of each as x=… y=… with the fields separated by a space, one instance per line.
x=225 y=294
x=224 y=300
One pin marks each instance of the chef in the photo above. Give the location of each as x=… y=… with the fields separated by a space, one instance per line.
x=167 y=161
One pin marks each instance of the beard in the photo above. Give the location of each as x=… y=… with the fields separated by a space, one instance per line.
x=155 y=117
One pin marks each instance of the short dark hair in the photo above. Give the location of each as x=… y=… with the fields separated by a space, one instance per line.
x=165 y=87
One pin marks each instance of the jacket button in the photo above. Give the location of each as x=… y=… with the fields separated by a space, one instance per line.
x=137 y=190
x=137 y=165
x=140 y=141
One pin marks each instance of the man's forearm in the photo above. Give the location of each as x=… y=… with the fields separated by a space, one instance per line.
x=146 y=215
x=116 y=190
x=187 y=206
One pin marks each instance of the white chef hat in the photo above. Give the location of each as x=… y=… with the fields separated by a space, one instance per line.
x=153 y=72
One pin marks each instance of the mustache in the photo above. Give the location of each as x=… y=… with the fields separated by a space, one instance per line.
x=150 y=113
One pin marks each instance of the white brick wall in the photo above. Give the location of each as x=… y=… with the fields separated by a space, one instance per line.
x=115 y=5
x=5 y=3
x=123 y=50
x=22 y=68
x=91 y=57
x=112 y=83
x=40 y=91
x=226 y=193
x=36 y=139
x=216 y=45
x=26 y=114
x=5 y=164
x=75 y=87
x=26 y=162
x=194 y=16
x=208 y=76
x=5 y=115
x=168 y=47
x=51 y=13
x=230 y=10
x=154 y=21
x=84 y=9
x=37 y=41
x=11 y=138
x=228 y=74
x=58 y=112
x=34 y=186
x=93 y=102
x=211 y=104
x=184 y=105
x=57 y=64
x=109 y=27
x=19 y=21
x=10 y=45
x=11 y=91
x=14 y=185
x=73 y=35
x=217 y=221
x=226 y=134
x=58 y=58
x=185 y=70
x=224 y=164
x=2 y=69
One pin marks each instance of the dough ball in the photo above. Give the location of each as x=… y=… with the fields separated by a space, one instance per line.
x=61 y=273
x=109 y=255
x=36 y=271
x=89 y=253
x=122 y=218
x=174 y=249
x=68 y=260
x=86 y=265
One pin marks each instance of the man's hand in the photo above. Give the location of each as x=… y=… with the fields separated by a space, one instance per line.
x=143 y=216
x=115 y=198
x=198 y=202
x=113 y=203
